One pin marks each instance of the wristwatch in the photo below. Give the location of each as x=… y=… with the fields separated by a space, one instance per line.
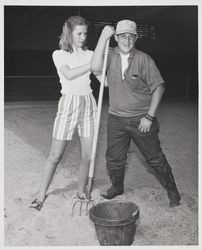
x=149 y=117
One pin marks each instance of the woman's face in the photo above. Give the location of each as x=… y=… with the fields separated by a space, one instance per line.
x=79 y=35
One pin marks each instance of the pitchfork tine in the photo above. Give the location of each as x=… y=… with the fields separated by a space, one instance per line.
x=80 y=210
x=74 y=207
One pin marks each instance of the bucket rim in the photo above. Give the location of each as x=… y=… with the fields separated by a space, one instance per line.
x=114 y=222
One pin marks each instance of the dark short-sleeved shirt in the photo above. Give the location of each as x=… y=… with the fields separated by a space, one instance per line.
x=132 y=95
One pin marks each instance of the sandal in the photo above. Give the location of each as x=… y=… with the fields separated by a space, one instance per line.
x=36 y=204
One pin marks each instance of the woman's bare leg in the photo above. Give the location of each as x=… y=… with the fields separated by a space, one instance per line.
x=86 y=148
x=56 y=152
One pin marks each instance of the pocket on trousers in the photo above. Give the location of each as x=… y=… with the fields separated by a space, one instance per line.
x=155 y=126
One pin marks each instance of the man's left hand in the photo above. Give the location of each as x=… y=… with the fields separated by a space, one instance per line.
x=144 y=125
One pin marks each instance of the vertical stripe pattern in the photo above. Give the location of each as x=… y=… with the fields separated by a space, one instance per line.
x=75 y=112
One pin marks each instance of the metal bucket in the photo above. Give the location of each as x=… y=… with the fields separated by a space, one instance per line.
x=115 y=222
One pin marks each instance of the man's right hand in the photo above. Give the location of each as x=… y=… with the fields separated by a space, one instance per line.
x=107 y=32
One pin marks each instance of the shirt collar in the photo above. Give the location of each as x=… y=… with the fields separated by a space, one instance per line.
x=76 y=50
x=117 y=50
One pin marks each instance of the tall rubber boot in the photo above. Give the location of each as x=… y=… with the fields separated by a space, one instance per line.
x=117 y=187
x=169 y=184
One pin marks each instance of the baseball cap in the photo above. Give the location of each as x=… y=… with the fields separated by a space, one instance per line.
x=126 y=26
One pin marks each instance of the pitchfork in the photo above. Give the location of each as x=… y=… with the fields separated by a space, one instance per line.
x=89 y=201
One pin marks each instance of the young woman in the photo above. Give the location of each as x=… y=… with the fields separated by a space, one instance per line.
x=76 y=108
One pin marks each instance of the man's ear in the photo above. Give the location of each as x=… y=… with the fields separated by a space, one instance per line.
x=116 y=38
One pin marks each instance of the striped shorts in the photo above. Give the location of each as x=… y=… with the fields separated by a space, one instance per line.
x=75 y=112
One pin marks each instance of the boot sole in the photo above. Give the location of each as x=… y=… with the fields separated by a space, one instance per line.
x=108 y=197
x=174 y=204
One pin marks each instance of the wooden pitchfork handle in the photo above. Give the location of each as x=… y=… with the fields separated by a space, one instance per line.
x=97 y=123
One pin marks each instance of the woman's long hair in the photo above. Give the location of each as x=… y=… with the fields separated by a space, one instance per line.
x=65 y=42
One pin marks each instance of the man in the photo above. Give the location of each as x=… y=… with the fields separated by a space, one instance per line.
x=135 y=91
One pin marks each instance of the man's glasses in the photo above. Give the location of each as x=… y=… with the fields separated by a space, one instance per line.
x=129 y=37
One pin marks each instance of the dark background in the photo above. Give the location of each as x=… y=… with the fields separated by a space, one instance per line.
x=168 y=33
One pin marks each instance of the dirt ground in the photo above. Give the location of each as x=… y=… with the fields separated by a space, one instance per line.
x=28 y=128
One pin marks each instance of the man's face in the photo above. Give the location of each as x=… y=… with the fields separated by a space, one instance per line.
x=126 y=42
